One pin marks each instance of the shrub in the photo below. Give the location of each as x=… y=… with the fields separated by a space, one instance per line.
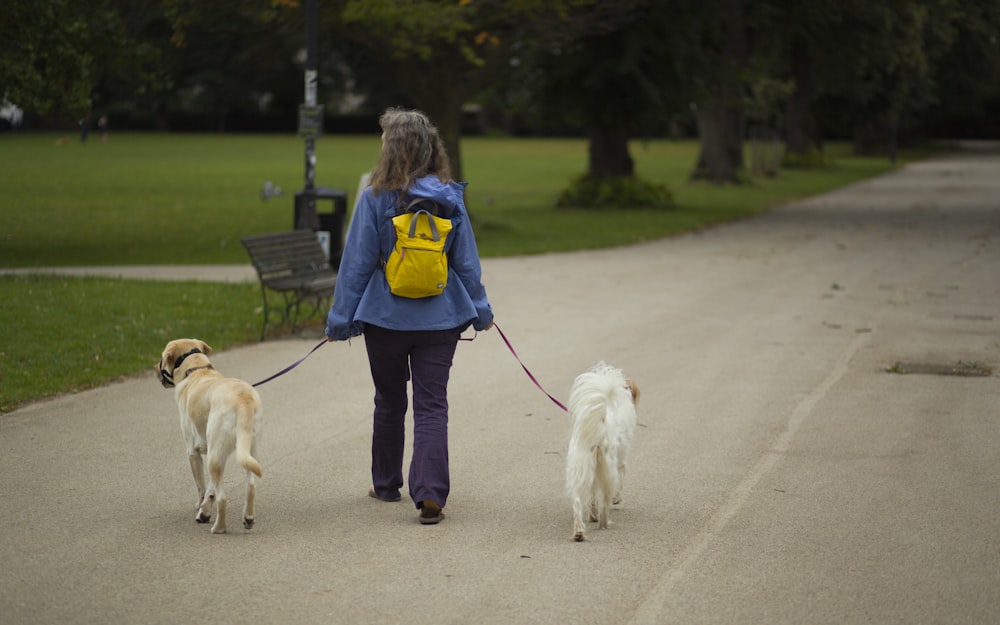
x=615 y=192
x=811 y=159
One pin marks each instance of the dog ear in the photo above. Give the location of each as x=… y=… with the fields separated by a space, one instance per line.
x=634 y=389
x=205 y=347
x=170 y=353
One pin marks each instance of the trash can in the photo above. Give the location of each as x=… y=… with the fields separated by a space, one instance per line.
x=329 y=227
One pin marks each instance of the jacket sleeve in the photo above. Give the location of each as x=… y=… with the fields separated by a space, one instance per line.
x=357 y=264
x=465 y=263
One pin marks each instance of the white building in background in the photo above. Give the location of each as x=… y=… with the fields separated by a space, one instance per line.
x=11 y=113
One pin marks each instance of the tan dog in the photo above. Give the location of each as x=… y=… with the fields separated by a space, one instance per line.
x=219 y=415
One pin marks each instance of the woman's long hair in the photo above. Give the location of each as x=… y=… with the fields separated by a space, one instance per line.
x=411 y=149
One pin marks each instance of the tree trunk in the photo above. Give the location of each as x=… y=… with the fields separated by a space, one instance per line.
x=802 y=131
x=609 y=156
x=446 y=112
x=449 y=125
x=720 y=116
x=869 y=136
x=720 y=130
x=438 y=90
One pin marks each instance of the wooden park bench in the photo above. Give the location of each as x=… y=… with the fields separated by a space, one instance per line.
x=293 y=265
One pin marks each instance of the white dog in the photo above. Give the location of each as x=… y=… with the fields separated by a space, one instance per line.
x=219 y=415
x=602 y=405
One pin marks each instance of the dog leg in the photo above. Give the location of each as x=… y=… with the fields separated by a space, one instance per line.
x=195 y=444
x=219 y=527
x=198 y=471
x=204 y=513
x=602 y=510
x=621 y=481
x=248 y=506
x=579 y=527
x=216 y=495
x=604 y=485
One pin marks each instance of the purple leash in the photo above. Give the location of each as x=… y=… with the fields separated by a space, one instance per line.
x=293 y=365
x=502 y=336
x=532 y=377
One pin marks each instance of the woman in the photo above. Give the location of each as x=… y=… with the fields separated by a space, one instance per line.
x=404 y=336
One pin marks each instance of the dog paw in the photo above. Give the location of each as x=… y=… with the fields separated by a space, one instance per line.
x=578 y=537
x=248 y=523
x=201 y=518
x=218 y=530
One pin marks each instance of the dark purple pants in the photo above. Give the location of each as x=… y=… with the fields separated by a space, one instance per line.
x=423 y=357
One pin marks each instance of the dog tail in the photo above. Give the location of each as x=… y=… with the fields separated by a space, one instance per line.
x=598 y=394
x=247 y=418
x=599 y=400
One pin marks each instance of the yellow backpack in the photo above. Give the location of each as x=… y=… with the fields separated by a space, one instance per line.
x=418 y=266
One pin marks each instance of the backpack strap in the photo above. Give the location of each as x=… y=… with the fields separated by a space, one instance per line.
x=433 y=210
x=435 y=233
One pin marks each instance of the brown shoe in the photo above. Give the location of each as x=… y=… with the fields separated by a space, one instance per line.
x=374 y=495
x=430 y=513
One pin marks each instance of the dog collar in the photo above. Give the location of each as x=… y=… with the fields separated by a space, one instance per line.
x=168 y=377
x=189 y=371
x=181 y=359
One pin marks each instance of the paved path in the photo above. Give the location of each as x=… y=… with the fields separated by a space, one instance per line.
x=780 y=474
x=198 y=273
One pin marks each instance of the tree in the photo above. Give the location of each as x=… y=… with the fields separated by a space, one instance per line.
x=720 y=98
x=45 y=65
x=890 y=78
x=605 y=65
x=621 y=66
x=802 y=36
x=880 y=65
x=58 y=56
x=431 y=50
x=143 y=78
x=967 y=74
x=234 y=55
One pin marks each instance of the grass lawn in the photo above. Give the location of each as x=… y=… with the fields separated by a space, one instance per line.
x=187 y=199
x=65 y=334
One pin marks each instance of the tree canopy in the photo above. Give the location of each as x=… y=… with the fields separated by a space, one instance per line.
x=60 y=57
x=609 y=70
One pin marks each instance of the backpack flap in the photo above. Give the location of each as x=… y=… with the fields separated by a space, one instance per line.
x=417 y=267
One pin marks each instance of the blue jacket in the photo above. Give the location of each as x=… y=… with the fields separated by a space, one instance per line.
x=362 y=294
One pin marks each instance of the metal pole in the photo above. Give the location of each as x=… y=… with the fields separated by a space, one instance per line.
x=310 y=94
